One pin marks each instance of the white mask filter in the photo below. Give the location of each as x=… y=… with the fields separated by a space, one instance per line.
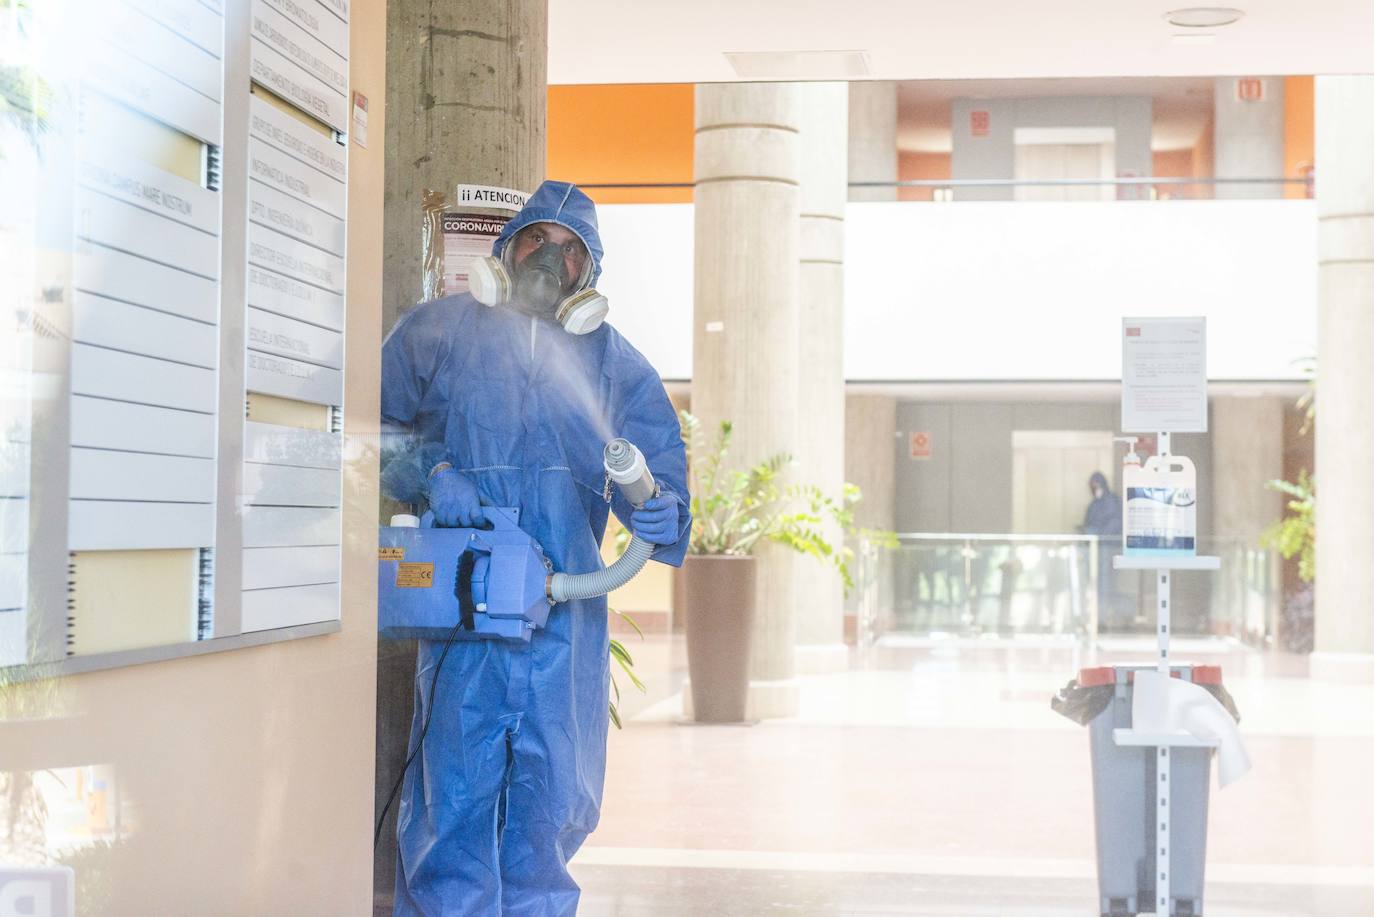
x=489 y=281
x=583 y=312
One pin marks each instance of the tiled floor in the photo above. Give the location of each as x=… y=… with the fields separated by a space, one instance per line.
x=935 y=780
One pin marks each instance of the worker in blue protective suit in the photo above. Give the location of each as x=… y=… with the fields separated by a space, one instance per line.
x=511 y=404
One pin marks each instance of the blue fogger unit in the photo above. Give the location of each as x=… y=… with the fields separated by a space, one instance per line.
x=493 y=582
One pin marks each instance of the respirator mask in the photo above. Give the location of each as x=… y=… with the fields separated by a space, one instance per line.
x=535 y=286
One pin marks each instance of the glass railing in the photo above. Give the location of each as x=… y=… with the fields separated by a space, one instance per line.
x=1052 y=587
x=1135 y=188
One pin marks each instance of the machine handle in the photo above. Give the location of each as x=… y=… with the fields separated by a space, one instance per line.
x=498 y=518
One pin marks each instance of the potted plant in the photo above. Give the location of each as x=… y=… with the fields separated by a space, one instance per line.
x=734 y=512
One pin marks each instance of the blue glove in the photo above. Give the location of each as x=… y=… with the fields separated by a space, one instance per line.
x=454 y=501
x=657 y=520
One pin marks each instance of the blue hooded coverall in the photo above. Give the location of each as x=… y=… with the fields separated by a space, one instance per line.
x=508 y=782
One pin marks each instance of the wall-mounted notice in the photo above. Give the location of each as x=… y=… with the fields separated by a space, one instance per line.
x=1164 y=375
x=491 y=196
x=360 y=119
x=467 y=237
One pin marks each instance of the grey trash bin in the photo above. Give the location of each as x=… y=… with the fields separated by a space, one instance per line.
x=1124 y=791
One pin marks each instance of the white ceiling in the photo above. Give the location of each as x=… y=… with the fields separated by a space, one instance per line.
x=669 y=41
x=1182 y=105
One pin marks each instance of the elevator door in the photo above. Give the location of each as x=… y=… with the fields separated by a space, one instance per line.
x=1050 y=472
x=1059 y=154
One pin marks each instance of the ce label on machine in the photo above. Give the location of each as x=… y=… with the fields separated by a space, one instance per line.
x=414 y=576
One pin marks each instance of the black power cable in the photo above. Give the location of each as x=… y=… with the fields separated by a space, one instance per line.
x=424 y=730
x=462 y=591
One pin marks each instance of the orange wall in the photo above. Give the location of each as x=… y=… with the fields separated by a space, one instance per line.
x=1173 y=164
x=1203 y=152
x=920 y=167
x=1299 y=116
x=623 y=134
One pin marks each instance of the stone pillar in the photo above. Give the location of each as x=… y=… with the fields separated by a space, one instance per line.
x=467 y=87
x=1247 y=437
x=870 y=463
x=466 y=95
x=1247 y=453
x=1248 y=137
x=1345 y=410
x=820 y=384
x=873 y=138
x=744 y=360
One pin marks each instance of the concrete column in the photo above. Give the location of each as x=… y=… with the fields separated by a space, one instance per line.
x=820 y=384
x=466 y=95
x=870 y=463
x=1247 y=453
x=1345 y=411
x=1248 y=137
x=467 y=87
x=744 y=359
x=873 y=138
x=1247 y=438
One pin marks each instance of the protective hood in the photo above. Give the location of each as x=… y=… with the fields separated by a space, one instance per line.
x=1099 y=480
x=562 y=203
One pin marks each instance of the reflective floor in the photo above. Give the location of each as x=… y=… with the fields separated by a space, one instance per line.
x=934 y=779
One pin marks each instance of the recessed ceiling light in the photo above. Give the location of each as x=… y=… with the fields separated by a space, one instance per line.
x=1203 y=17
x=1195 y=38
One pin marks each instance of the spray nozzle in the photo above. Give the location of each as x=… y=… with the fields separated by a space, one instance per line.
x=625 y=466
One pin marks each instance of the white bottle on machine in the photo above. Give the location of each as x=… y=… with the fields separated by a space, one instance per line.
x=1161 y=506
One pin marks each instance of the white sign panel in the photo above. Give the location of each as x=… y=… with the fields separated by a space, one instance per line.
x=330 y=29
x=294 y=379
x=287 y=338
x=1164 y=375
x=490 y=196
x=291 y=136
x=138 y=85
x=269 y=207
x=159 y=47
x=291 y=176
x=304 y=90
x=299 y=48
x=277 y=252
x=274 y=292
x=189 y=19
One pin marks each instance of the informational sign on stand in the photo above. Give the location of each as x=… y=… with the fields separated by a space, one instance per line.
x=467 y=237
x=1164 y=375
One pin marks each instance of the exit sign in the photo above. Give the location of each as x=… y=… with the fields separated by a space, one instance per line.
x=1250 y=89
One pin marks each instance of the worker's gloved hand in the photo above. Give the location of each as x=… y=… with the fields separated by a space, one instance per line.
x=656 y=521
x=453 y=500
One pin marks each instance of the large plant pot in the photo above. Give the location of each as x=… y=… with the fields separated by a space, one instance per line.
x=719 y=592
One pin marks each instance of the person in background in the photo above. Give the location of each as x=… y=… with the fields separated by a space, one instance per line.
x=1103 y=519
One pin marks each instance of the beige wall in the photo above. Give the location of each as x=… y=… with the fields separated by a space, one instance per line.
x=246 y=776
